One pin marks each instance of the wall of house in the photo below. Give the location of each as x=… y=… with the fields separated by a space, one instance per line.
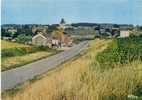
x=124 y=34
x=39 y=41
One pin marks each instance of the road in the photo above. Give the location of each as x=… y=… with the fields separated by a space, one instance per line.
x=13 y=77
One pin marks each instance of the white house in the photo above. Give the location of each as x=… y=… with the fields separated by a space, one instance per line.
x=39 y=39
x=124 y=33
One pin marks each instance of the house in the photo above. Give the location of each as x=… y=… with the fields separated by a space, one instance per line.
x=47 y=40
x=12 y=30
x=124 y=33
x=55 y=43
x=81 y=32
x=40 y=39
x=7 y=38
x=67 y=40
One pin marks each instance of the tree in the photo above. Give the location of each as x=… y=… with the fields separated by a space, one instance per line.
x=140 y=28
x=22 y=38
x=58 y=34
x=26 y=31
x=4 y=33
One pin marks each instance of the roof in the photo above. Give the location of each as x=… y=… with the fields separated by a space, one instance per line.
x=39 y=35
x=124 y=29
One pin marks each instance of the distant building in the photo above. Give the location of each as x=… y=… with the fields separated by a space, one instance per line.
x=12 y=30
x=124 y=33
x=106 y=26
x=68 y=40
x=62 y=24
x=7 y=38
x=124 y=27
x=81 y=32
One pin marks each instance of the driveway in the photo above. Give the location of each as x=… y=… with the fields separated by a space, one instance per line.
x=10 y=78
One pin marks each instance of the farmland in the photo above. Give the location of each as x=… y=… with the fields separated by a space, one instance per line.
x=82 y=78
x=16 y=55
x=121 y=51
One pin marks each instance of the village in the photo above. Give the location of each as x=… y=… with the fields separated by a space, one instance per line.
x=71 y=50
x=63 y=34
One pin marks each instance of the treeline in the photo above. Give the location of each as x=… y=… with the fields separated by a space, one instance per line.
x=13 y=30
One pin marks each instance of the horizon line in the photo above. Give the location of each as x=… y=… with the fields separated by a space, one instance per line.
x=71 y=23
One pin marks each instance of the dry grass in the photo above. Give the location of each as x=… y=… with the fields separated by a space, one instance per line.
x=81 y=79
x=114 y=83
x=11 y=62
x=7 y=44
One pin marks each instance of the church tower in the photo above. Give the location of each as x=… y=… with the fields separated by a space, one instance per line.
x=62 y=23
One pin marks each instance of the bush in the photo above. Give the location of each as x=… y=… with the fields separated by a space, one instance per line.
x=17 y=51
x=121 y=51
x=23 y=39
x=7 y=52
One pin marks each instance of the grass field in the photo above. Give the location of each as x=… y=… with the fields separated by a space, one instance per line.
x=15 y=54
x=82 y=79
x=12 y=62
x=7 y=44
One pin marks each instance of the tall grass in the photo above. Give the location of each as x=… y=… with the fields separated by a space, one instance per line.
x=82 y=79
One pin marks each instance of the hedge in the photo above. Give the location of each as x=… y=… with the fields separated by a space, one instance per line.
x=22 y=51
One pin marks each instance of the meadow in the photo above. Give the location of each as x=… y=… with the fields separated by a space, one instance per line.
x=15 y=54
x=82 y=78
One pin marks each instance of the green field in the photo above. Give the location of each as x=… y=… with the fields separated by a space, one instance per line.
x=121 y=51
x=16 y=55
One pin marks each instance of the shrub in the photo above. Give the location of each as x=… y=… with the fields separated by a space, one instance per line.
x=9 y=52
x=16 y=51
x=23 y=38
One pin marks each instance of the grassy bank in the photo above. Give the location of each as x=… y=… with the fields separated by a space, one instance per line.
x=83 y=79
x=15 y=55
x=13 y=62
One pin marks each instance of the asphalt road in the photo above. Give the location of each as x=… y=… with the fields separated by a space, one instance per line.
x=10 y=78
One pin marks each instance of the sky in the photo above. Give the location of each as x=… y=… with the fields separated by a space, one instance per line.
x=73 y=11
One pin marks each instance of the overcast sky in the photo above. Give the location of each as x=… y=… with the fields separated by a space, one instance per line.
x=51 y=11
